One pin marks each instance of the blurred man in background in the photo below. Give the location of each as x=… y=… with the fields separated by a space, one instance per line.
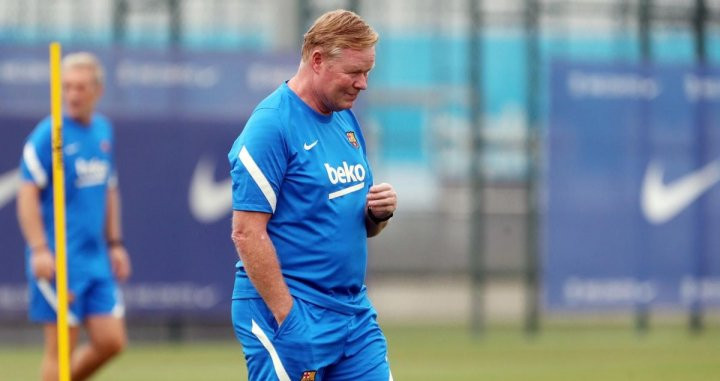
x=95 y=251
x=304 y=205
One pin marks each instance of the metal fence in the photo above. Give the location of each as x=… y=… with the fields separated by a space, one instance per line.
x=457 y=105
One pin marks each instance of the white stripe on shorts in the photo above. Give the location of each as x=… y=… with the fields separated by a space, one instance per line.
x=389 y=372
x=119 y=310
x=279 y=368
x=259 y=177
x=47 y=291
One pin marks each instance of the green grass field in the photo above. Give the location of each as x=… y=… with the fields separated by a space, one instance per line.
x=445 y=353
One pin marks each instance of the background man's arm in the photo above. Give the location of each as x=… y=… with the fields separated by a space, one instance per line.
x=119 y=258
x=249 y=234
x=33 y=229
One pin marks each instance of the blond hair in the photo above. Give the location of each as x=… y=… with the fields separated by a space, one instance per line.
x=85 y=60
x=337 y=30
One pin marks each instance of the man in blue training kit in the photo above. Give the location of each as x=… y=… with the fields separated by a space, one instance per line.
x=95 y=252
x=304 y=204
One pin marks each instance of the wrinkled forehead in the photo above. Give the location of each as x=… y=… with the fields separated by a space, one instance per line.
x=357 y=59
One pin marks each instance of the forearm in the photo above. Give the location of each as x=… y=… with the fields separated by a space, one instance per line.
x=30 y=216
x=374 y=228
x=263 y=268
x=113 y=226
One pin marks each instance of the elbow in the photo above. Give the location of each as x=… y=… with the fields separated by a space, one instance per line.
x=23 y=204
x=19 y=209
x=244 y=242
x=248 y=229
x=239 y=240
x=238 y=237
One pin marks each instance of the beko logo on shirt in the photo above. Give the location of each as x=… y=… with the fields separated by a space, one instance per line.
x=91 y=172
x=346 y=173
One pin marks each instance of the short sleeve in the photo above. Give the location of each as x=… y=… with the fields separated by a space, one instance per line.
x=258 y=161
x=36 y=162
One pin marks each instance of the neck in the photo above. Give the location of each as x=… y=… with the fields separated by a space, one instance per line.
x=83 y=119
x=302 y=85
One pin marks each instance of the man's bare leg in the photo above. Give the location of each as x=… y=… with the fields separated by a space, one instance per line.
x=49 y=367
x=107 y=338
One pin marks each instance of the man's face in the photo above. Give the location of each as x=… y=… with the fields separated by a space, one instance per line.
x=81 y=91
x=343 y=77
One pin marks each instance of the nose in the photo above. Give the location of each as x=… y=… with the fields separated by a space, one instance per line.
x=361 y=82
x=70 y=92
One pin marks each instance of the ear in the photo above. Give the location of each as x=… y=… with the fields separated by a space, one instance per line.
x=316 y=60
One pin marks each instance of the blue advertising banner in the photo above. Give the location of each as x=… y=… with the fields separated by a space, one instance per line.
x=633 y=201
x=175 y=117
x=158 y=82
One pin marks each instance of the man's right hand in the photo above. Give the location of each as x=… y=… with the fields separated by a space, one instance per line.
x=282 y=315
x=42 y=263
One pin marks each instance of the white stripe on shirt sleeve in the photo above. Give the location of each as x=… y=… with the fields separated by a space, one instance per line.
x=258 y=176
x=33 y=163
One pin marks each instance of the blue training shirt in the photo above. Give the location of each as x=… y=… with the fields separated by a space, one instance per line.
x=310 y=171
x=89 y=171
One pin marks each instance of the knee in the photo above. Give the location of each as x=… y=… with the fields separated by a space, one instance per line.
x=112 y=345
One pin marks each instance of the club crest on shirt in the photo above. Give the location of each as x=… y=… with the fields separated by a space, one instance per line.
x=352 y=139
x=308 y=375
x=105 y=146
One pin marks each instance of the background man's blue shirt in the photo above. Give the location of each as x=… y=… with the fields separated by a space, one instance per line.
x=311 y=172
x=89 y=170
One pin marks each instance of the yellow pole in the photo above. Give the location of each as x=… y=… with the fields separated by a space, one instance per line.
x=58 y=175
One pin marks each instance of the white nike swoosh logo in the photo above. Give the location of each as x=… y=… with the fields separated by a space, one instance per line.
x=308 y=147
x=209 y=200
x=9 y=184
x=72 y=148
x=662 y=202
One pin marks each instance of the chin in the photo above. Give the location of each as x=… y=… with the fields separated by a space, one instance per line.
x=77 y=116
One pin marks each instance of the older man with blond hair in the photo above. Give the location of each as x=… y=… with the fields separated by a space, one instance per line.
x=304 y=205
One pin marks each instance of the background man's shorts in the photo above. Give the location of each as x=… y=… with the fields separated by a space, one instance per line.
x=312 y=344
x=92 y=296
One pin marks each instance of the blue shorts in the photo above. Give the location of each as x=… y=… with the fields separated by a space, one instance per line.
x=312 y=344
x=98 y=296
